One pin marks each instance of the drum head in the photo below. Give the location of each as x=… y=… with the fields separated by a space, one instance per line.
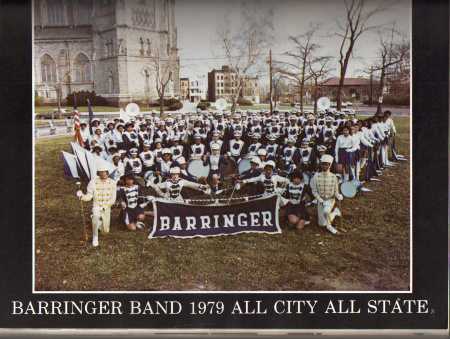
x=230 y=168
x=348 y=189
x=244 y=165
x=196 y=168
x=357 y=183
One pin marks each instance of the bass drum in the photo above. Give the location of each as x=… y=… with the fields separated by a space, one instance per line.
x=230 y=168
x=348 y=189
x=196 y=168
x=244 y=165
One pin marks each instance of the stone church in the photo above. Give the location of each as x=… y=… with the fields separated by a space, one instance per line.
x=121 y=49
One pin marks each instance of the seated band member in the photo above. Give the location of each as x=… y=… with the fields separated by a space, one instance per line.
x=325 y=188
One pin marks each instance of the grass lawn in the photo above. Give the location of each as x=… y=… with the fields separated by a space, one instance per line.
x=95 y=109
x=372 y=255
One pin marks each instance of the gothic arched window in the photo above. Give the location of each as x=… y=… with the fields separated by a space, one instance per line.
x=146 y=76
x=110 y=82
x=48 y=69
x=82 y=68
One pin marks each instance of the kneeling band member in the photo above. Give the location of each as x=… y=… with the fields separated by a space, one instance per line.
x=296 y=212
x=132 y=214
x=325 y=188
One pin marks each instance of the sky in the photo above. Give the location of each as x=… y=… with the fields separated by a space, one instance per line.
x=197 y=20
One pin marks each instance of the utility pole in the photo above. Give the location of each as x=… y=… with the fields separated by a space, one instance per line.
x=270 y=66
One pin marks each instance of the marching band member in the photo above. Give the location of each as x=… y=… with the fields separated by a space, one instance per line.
x=236 y=146
x=325 y=188
x=254 y=146
x=306 y=156
x=311 y=130
x=216 y=141
x=157 y=152
x=174 y=186
x=289 y=154
x=108 y=136
x=273 y=149
x=184 y=174
x=215 y=159
x=143 y=135
x=148 y=160
x=345 y=146
x=132 y=214
x=97 y=150
x=120 y=170
x=268 y=179
x=162 y=168
x=295 y=211
x=85 y=134
x=134 y=163
x=177 y=149
x=129 y=137
x=118 y=136
x=197 y=149
x=103 y=192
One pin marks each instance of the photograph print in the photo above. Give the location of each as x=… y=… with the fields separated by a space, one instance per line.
x=206 y=146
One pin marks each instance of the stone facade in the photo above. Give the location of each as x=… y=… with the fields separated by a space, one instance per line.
x=116 y=48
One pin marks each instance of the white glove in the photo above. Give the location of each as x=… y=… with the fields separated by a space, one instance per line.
x=123 y=204
x=337 y=159
x=150 y=197
x=229 y=153
x=339 y=197
x=348 y=150
x=140 y=224
x=320 y=201
x=79 y=193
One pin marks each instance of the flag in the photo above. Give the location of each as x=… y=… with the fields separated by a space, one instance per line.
x=76 y=121
x=91 y=117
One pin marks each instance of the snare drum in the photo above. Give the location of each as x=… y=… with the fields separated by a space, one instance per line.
x=244 y=165
x=196 y=168
x=348 y=189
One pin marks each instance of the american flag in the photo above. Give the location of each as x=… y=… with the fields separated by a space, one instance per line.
x=76 y=121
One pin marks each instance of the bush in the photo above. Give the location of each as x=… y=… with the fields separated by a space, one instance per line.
x=83 y=96
x=176 y=106
x=38 y=101
x=203 y=105
x=166 y=102
x=244 y=102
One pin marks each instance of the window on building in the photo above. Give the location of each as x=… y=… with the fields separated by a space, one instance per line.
x=141 y=43
x=82 y=68
x=55 y=12
x=146 y=81
x=84 y=12
x=149 y=47
x=110 y=82
x=221 y=78
x=48 y=69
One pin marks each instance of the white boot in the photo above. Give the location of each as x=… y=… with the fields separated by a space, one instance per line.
x=95 y=240
x=332 y=230
x=336 y=213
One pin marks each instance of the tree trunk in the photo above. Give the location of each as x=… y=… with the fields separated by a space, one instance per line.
x=301 y=96
x=315 y=96
x=338 y=95
x=380 y=104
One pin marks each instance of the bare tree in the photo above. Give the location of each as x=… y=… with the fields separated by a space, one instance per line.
x=319 y=70
x=356 y=23
x=246 y=43
x=301 y=55
x=162 y=67
x=393 y=50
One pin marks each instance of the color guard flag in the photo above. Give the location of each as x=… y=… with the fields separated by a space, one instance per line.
x=91 y=116
x=76 y=121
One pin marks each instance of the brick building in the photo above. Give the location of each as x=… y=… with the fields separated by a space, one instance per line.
x=223 y=83
x=357 y=88
x=106 y=46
